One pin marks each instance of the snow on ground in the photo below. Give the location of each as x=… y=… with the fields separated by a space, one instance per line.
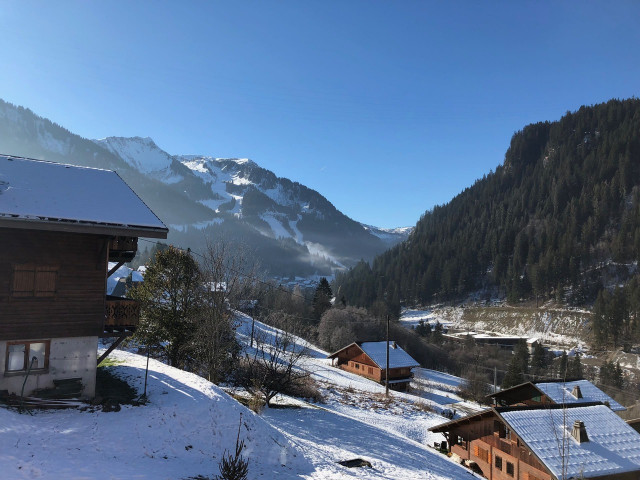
x=410 y=318
x=182 y=431
x=188 y=423
x=356 y=419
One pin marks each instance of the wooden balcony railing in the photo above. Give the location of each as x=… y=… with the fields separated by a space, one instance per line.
x=121 y=313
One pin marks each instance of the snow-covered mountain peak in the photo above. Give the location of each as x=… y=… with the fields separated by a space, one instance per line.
x=142 y=153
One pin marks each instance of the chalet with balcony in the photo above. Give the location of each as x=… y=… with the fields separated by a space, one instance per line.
x=554 y=392
x=369 y=359
x=556 y=442
x=60 y=225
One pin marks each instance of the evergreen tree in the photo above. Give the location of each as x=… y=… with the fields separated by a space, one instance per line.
x=521 y=356
x=563 y=365
x=574 y=367
x=543 y=221
x=170 y=299
x=423 y=329
x=322 y=298
x=514 y=375
x=539 y=361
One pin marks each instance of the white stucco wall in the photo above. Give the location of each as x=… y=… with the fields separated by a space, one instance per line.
x=68 y=358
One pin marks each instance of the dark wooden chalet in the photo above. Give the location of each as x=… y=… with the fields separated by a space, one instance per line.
x=542 y=443
x=369 y=359
x=60 y=225
x=554 y=392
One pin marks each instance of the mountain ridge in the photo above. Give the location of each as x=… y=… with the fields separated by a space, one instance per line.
x=558 y=219
x=295 y=230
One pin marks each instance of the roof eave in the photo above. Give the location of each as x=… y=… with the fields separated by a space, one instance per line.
x=343 y=348
x=75 y=226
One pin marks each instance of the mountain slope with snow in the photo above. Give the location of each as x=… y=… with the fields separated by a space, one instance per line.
x=292 y=229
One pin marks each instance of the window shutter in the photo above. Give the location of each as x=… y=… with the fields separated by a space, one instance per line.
x=23 y=281
x=45 y=281
x=476 y=450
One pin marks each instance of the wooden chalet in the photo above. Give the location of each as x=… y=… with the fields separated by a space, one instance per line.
x=60 y=225
x=369 y=359
x=543 y=443
x=554 y=392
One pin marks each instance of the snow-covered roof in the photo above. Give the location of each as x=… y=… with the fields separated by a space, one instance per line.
x=217 y=286
x=398 y=358
x=613 y=446
x=53 y=196
x=561 y=392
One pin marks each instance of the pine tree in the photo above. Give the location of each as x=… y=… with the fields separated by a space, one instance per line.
x=574 y=367
x=322 y=298
x=563 y=365
x=539 y=361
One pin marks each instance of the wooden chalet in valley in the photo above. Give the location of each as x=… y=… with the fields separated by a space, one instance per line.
x=557 y=442
x=60 y=225
x=369 y=359
x=553 y=392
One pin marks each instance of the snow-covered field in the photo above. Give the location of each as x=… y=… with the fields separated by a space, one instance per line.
x=188 y=423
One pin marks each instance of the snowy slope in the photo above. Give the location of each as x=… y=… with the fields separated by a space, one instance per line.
x=183 y=431
x=188 y=423
x=390 y=236
x=357 y=421
x=141 y=153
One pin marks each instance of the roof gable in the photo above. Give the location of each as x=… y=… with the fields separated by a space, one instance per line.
x=52 y=196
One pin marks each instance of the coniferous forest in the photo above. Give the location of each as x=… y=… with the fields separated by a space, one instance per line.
x=558 y=219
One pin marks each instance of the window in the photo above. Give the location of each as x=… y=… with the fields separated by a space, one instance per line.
x=21 y=354
x=357 y=366
x=34 y=281
x=498 y=462
x=461 y=441
x=510 y=469
x=370 y=370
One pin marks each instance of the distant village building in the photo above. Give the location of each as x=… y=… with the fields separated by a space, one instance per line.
x=554 y=392
x=60 y=225
x=506 y=342
x=369 y=359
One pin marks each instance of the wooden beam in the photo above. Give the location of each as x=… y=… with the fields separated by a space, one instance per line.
x=113 y=346
x=113 y=270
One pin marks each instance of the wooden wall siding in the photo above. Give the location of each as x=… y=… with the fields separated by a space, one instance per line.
x=482 y=433
x=77 y=309
x=364 y=371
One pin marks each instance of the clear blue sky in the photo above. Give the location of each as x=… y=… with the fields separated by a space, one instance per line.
x=387 y=108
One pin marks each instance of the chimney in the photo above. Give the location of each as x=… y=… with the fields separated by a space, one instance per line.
x=579 y=432
x=394 y=345
x=576 y=392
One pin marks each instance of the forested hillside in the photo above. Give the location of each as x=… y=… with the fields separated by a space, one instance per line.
x=559 y=218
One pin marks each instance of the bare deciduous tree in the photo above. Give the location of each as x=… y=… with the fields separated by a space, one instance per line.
x=228 y=274
x=272 y=367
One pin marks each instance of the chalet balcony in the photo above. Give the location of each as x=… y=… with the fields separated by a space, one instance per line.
x=121 y=313
x=122 y=249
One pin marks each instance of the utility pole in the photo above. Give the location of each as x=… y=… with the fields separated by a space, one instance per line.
x=253 y=322
x=495 y=379
x=386 y=390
